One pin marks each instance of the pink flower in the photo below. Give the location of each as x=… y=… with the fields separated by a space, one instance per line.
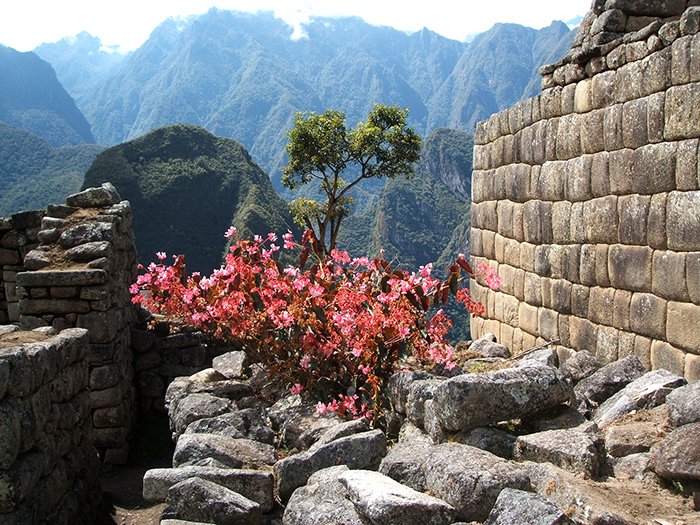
x=425 y=270
x=230 y=232
x=296 y=389
x=305 y=362
x=161 y=256
x=340 y=256
x=272 y=237
x=288 y=240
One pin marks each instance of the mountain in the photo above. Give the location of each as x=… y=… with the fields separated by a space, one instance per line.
x=80 y=62
x=34 y=174
x=243 y=76
x=31 y=98
x=186 y=187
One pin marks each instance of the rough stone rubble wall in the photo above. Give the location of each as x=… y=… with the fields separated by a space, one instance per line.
x=78 y=276
x=48 y=465
x=586 y=198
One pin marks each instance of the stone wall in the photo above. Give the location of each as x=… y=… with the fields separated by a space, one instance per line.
x=78 y=276
x=586 y=198
x=18 y=236
x=48 y=465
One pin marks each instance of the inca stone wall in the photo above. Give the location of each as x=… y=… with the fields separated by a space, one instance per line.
x=48 y=465
x=586 y=198
x=78 y=276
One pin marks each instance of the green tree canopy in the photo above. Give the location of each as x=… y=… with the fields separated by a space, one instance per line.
x=321 y=148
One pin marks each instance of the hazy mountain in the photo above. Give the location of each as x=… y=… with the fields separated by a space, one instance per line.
x=186 y=187
x=31 y=98
x=244 y=76
x=34 y=174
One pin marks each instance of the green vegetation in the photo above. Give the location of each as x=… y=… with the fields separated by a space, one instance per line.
x=187 y=187
x=34 y=174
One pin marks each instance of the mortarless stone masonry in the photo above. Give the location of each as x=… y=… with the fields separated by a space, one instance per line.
x=586 y=198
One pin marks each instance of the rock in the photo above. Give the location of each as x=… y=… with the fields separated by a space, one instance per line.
x=105 y=195
x=356 y=452
x=576 y=450
x=193 y=407
x=581 y=365
x=412 y=435
x=678 y=456
x=684 y=404
x=306 y=426
x=249 y=423
x=470 y=479
x=609 y=380
x=255 y=485
x=418 y=393
x=386 y=502
x=555 y=419
x=398 y=386
x=89 y=251
x=191 y=449
x=197 y=499
x=87 y=232
x=347 y=428
x=476 y=400
x=648 y=391
x=322 y=502
x=232 y=365
x=637 y=432
x=37 y=259
x=285 y=408
x=486 y=346
x=405 y=463
x=494 y=440
x=182 y=522
x=633 y=466
x=517 y=507
x=184 y=386
x=543 y=357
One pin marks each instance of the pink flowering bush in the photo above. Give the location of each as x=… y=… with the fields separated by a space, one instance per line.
x=333 y=328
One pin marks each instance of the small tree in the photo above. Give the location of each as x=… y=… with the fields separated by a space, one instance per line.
x=322 y=148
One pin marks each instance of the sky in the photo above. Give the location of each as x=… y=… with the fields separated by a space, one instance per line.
x=126 y=24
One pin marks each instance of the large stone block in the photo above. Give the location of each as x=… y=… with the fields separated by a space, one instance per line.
x=587 y=269
x=529 y=318
x=601 y=220
x=682 y=112
x=654 y=168
x=603 y=89
x=601 y=305
x=655 y=117
x=667 y=357
x=683 y=220
x=669 y=275
x=583 y=335
x=630 y=267
x=682 y=322
x=621 y=309
x=656 y=222
x=578 y=178
x=602 y=273
x=634 y=124
x=648 y=315
x=692 y=270
x=687 y=165
x=600 y=174
x=633 y=211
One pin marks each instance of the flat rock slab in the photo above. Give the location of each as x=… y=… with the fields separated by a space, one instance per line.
x=194 y=407
x=476 y=400
x=684 y=404
x=577 y=450
x=678 y=457
x=249 y=423
x=470 y=479
x=322 y=501
x=517 y=507
x=648 y=391
x=405 y=463
x=197 y=499
x=356 y=452
x=232 y=365
x=193 y=449
x=386 y=502
x=609 y=380
x=255 y=485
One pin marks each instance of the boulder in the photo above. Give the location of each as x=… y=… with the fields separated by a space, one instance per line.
x=636 y=432
x=557 y=418
x=322 y=502
x=470 y=479
x=196 y=499
x=678 y=456
x=194 y=449
x=476 y=400
x=418 y=393
x=232 y=365
x=494 y=440
x=578 y=450
x=405 y=463
x=543 y=357
x=684 y=404
x=486 y=346
x=386 y=502
x=581 y=365
x=299 y=423
x=105 y=195
x=205 y=382
x=249 y=423
x=633 y=466
x=647 y=391
x=609 y=380
x=255 y=485
x=517 y=507
x=356 y=452
x=341 y=430
x=398 y=386
x=192 y=407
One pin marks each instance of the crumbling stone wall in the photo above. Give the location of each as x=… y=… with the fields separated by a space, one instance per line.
x=18 y=236
x=78 y=276
x=48 y=465
x=586 y=198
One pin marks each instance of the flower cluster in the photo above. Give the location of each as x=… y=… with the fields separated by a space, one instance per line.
x=334 y=330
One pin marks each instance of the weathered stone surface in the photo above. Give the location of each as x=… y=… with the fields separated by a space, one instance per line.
x=630 y=267
x=398 y=386
x=678 y=456
x=474 y=400
x=61 y=278
x=357 y=452
x=249 y=423
x=89 y=251
x=517 y=507
x=493 y=440
x=255 y=485
x=88 y=232
x=193 y=449
x=386 y=502
x=682 y=113
x=581 y=365
x=232 y=365
x=578 y=450
x=636 y=433
x=34 y=260
x=418 y=393
x=682 y=321
x=684 y=404
x=10 y=433
x=194 y=407
x=683 y=219
x=610 y=379
x=405 y=463
x=555 y=419
x=197 y=499
x=542 y=357
x=105 y=195
x=633 y=466
x=341 y=430
x=470 y=479
x=322 y=502
x=205 y=384
x=487 y=346
x=304 y=426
